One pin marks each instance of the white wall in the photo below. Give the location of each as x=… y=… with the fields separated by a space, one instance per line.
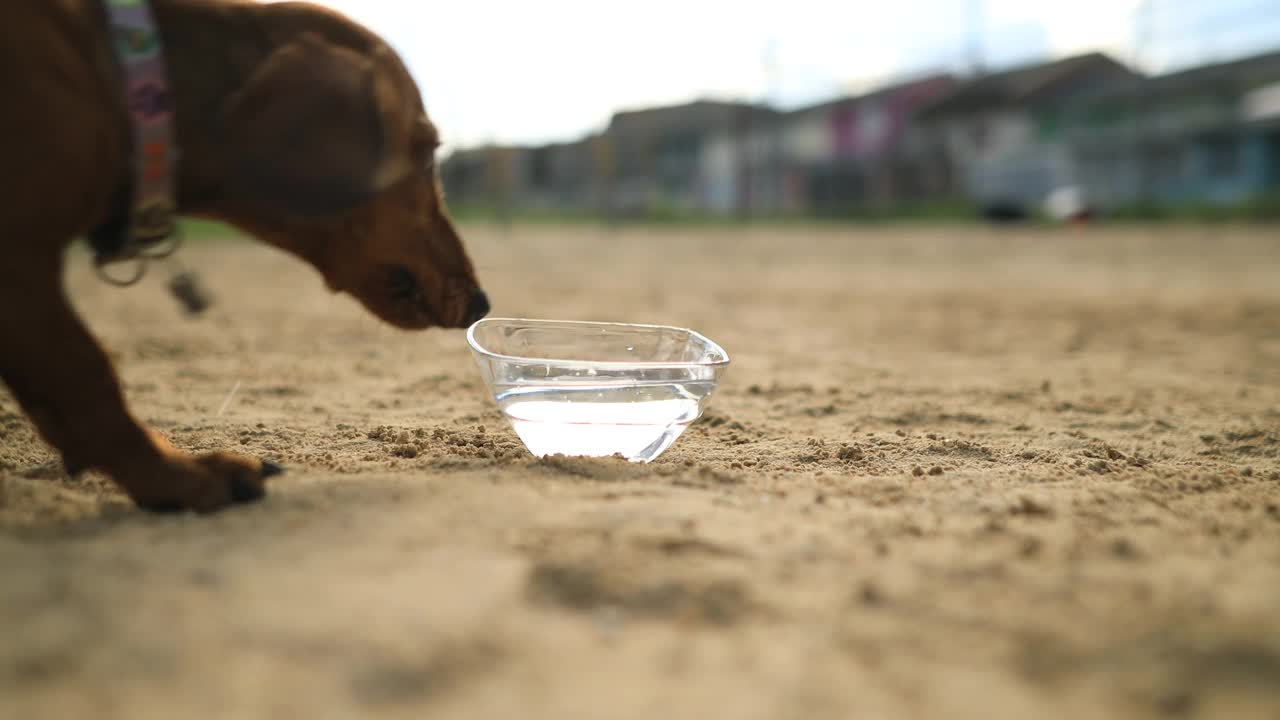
x=808 y=138
x=719 y=174
x=1000 y=158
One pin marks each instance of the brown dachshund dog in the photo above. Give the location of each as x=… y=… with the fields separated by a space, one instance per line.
x=295 y=125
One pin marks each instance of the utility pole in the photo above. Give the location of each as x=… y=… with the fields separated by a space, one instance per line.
x=975 y=19
x=773 y=161
x=1142 y=26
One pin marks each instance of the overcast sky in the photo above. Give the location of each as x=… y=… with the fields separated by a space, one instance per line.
x=524 y=71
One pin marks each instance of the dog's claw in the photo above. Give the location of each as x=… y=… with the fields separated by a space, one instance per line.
x=204 y=483
x=246 y=492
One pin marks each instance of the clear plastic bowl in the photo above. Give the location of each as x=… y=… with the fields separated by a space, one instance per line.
x=596 y=389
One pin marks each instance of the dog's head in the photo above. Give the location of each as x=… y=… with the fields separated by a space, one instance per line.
x=327 y=152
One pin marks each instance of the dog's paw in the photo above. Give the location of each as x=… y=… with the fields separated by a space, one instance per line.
x=206 y=483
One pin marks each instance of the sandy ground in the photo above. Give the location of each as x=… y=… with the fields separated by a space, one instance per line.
x=952 y=473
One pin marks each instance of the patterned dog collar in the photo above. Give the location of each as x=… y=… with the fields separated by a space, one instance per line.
x=152 y=207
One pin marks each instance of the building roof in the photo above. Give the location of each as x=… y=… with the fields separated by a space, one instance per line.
x=1236 y=76
x=939 y=81
x=1028 y=84
x=700 y=115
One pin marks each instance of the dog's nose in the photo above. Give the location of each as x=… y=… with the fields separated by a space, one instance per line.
x=478 y=307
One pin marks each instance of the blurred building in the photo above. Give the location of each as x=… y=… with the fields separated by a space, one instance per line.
x=721 y=158
x=1209 y=135
x=1085 y=124
x=489 y=176
x=657 y=154
x=646 y=161
x=1000 y=134
x=830 y=157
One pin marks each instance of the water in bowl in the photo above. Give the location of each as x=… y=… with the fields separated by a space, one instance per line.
x=596 y=389
x=638 y=422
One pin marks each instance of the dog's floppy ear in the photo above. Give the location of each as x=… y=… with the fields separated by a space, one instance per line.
x=310 y=131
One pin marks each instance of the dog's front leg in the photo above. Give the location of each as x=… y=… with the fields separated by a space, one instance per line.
x=65 y=382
